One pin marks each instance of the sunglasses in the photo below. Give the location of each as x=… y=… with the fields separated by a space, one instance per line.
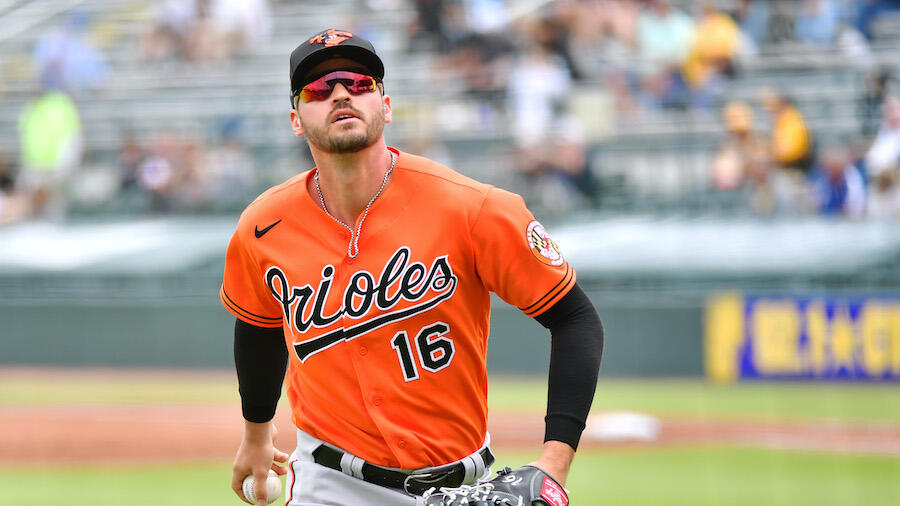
x=321 y=88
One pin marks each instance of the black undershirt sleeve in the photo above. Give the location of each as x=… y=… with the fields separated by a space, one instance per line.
x=575 y=351
x=260 y=357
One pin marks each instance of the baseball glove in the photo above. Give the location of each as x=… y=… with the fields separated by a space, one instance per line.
x=526 y=486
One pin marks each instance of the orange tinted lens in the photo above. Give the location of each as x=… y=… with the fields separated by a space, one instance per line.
x=321 y=88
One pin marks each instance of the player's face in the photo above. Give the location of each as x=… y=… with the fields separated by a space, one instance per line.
x=344 y=121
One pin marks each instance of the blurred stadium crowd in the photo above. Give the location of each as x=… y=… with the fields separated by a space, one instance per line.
x=769 y=108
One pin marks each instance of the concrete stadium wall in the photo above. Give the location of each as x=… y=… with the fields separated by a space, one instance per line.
x=643 y=336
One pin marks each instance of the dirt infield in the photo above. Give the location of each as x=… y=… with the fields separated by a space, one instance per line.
x=154 y=433
x=68 y=433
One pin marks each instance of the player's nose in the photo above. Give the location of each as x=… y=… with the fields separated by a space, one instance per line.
x=339 y=93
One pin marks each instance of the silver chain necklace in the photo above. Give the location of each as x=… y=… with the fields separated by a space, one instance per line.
x=354 y=237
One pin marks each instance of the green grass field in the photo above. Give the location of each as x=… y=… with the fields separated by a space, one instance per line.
x=682 y=397
x=702 y=475
x=680 y=476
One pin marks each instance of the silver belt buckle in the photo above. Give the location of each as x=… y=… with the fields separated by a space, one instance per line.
x=424 y=479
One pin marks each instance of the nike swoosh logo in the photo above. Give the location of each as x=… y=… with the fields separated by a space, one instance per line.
x=259 y=233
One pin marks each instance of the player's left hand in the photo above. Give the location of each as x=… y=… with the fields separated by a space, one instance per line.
x=526 y=486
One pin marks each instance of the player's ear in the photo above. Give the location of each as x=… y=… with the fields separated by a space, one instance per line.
x=295 y=123
x=386 y=101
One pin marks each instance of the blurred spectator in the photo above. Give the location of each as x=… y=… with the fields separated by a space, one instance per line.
x=884 y=154
x=173 y=28
x=817 y=22
x=838 y=185
x=194 y=187
x=883 y=164
x=207 y=30
x=715 y=44
x=572 y=158
x=4 y=207
x=552 y=32
x=557 y=173
x=603 y=43
x=428 y=27
x=479 y=64
x=617 y=18
x=159 y=171
x=664 y=40
x=742 y=148
x=869 y=10
x=13 y=206
x=791 y=142
x=856 y=49
x=155 y=176
x=51 y=148
x=538 y=85
x=130 y=157
x=781 y=21
x=230 y=169
x=454 y=22
x=7 y=179
x=7 y=197
x=753 y=18
x=778 y=192
x=485 y=16
x=131 y=196
x=857 y=148
x=66 y=61
x=240 y=25
x=884 y=196
x=873 y=98
x=765 y=191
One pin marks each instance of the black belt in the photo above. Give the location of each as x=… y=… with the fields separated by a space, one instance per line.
x=451 y=475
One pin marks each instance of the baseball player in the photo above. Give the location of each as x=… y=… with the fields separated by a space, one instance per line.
x=367 y=278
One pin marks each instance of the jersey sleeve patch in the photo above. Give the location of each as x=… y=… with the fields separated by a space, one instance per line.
x=542 y=246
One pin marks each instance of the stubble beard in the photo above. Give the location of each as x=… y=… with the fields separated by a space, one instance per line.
x=344 y=142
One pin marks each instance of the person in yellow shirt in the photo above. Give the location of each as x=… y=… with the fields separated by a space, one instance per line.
x=715 y=44
x=791 y=142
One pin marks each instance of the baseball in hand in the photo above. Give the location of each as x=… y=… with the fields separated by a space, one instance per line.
x=273 y=482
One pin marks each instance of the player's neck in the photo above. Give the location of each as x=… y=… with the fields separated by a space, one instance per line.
x=348 y=181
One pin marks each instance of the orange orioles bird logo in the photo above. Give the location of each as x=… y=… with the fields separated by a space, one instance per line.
x=330 y=38
x=542 y=246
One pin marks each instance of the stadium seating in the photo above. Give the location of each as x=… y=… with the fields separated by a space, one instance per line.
x=660 y=156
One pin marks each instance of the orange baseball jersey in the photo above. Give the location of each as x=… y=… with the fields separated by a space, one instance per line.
x=387 y=349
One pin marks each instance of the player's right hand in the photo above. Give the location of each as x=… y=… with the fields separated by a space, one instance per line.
x=256 y=455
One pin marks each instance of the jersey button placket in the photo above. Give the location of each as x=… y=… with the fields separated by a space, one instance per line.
x=363 y=350
x=377 y=400
x=401 y=444
x=345 y=239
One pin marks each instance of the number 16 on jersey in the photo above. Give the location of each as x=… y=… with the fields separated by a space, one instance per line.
x=433 y=350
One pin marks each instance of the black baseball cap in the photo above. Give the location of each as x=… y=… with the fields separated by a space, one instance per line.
x=328 y=44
